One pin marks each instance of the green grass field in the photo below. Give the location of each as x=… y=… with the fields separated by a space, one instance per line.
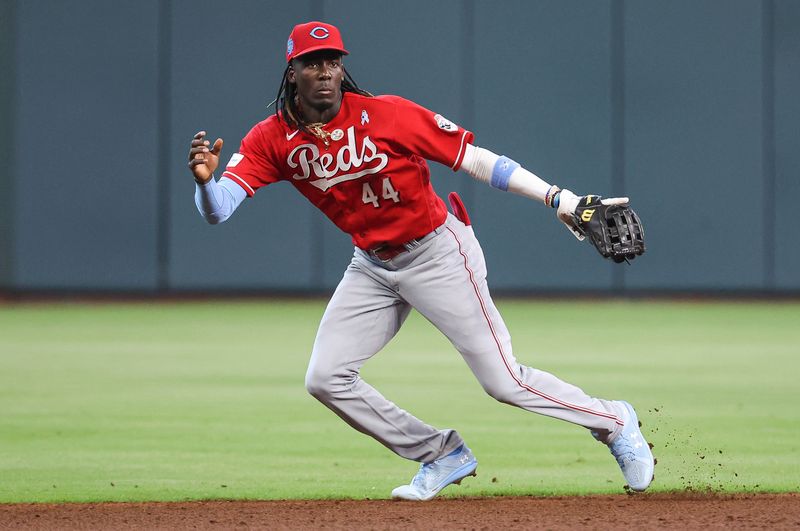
x=182 y=401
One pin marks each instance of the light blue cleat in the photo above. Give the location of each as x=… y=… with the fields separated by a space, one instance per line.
x=632 y=452
x=433 y=477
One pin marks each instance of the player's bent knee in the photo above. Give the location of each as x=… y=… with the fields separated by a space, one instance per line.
x=328 y=379
x=502 y=393
x=319 y=391
x=325 y=385
x=318 y=385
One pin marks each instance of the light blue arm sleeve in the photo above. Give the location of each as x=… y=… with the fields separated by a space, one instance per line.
x=216 y=201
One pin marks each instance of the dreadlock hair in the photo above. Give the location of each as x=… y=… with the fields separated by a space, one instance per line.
x=286 y=106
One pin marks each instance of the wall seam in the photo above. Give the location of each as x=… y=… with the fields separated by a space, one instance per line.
x=768 y=153
x=8 y=109
x=163 y=186
x=467 y=110
x=617 y=121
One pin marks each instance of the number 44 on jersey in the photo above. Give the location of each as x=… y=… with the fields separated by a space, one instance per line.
x=387 y=192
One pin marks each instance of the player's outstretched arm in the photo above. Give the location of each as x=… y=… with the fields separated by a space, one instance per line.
x=505 y=174
x=613 y=228
x=215 y=201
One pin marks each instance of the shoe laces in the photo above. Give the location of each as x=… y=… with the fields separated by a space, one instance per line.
x=419 y=479
x=624 y=447
x=429 y=473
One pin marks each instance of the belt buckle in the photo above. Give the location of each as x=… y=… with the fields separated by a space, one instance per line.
x=385 y=253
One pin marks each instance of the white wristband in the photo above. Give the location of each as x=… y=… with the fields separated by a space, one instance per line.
x=503 y=173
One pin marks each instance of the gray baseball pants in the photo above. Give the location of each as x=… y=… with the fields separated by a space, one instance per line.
x=445 y=280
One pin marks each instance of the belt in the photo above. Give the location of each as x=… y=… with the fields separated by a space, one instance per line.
x=385 y=252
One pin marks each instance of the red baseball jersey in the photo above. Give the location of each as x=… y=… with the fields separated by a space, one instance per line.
x=371 y=180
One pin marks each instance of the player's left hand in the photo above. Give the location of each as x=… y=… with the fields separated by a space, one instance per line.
x=568 y=204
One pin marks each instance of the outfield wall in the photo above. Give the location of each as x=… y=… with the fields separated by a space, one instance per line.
x=690 y=107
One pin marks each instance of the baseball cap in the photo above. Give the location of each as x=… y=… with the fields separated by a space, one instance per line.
x=313 y=36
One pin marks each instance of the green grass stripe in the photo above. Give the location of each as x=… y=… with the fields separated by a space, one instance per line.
x=181 y=401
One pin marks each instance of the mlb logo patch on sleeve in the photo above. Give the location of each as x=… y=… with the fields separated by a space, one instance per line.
x=236 y=158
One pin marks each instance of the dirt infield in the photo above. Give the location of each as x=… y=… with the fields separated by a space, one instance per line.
x=684 y=511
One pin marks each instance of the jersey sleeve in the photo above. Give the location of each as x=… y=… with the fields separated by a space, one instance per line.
x=251 y=167
x=430 y=135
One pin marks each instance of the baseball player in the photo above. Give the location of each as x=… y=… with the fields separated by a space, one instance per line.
x=361 y=159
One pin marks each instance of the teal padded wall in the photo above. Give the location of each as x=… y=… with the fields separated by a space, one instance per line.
x=693 y=142
x=7 y=116
x=543 y=98
x=225 y=68
x=85 y=138
x=688 y=107
x=787 y=143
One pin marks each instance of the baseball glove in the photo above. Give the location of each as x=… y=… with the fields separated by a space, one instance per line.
x=615 y=230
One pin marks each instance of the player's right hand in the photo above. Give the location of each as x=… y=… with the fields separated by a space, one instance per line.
x=202 y=160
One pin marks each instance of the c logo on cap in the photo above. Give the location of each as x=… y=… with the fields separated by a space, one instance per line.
x=320 y=33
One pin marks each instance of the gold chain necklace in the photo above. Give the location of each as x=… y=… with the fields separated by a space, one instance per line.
x=316 y=128
x=318 y=131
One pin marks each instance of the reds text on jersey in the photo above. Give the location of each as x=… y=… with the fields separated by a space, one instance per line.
x=372 y=180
